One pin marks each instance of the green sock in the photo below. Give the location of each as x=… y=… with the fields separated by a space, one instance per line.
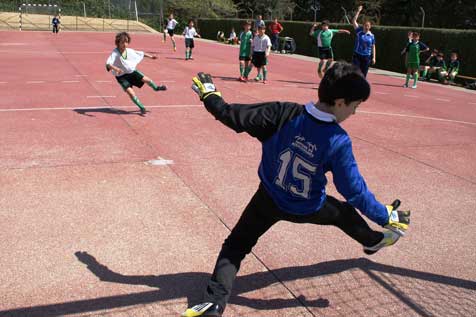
x=138 y=103
x=265 y=73
x=408 y=79
x=425 y=72
x=153 y=85
x=248 y=70
x=328 y=64
x=242 y=70
x=190 y=53
x=186 y=54
x=415 y=78
x=319 y=68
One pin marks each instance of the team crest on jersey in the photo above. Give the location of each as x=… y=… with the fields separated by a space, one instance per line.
x=305 y=146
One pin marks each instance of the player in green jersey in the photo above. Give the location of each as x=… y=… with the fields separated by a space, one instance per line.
x=245 y=39
x=413 y=51
x=324 y=44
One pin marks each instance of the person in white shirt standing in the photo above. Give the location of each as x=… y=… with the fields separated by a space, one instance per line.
x=261 y=48
x=171 y=24
x=189 y=34
x=123 y=62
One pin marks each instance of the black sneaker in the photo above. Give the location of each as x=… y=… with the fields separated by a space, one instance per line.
x=143 y=110
x=205 y=310
x=161 y=87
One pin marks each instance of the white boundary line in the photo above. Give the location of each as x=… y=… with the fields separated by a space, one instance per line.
x=100 y=96
x=416 y=117
x=442 y=99
x=412 y=96
x=70 y=81
x=103 y=107
x=35 y=82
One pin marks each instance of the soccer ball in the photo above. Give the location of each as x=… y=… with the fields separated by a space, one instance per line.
x=283 y=52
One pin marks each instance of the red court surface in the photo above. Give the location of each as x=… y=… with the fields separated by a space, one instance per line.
x=91 y=225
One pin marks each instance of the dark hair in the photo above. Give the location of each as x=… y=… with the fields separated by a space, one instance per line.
x=191 y=20
x=325 y=22
x=454 y=52
x=441 y=54
x=247 y=22
x=416 y=34
x=122 y=37
x=343 y=80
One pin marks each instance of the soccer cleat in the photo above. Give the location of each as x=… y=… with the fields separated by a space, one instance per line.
x=405 y=86
x=414 y=86
x=143 y=110
x=161 y=87
x=264 y=81
x=389 y=238
x=204 y=309
x=175 y=49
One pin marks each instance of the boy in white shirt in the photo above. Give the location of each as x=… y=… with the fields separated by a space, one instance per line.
x=171 y=24
x=189 y=34
x=261 y=47
x=123 y=62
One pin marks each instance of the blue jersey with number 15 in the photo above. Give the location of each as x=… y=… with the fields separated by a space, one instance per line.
x=299 y=146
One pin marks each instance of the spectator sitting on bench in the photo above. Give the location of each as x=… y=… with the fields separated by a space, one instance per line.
x=429 y=64
x=221 y=36
x=440 y=66
x=448 y=76
x=232 y=39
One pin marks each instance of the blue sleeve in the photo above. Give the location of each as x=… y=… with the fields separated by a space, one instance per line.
x=358 y=30
x=351 y=184
x=423 y=46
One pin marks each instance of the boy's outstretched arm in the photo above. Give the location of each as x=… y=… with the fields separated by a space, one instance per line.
x=350 y=183
x=260 y=120
x=356 y=16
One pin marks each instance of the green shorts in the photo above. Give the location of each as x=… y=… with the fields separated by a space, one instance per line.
x=132 y=79
x=413 y=65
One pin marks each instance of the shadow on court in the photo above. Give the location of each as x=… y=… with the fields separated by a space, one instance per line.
x=88 y=111
x=440 y=293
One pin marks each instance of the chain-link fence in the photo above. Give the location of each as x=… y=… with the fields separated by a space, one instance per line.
x=86 y=15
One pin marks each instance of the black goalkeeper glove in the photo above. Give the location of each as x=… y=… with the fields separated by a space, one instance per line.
x=398 y=220
x=203 y=86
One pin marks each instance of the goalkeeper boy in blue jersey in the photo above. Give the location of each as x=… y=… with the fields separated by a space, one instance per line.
x=300 y=143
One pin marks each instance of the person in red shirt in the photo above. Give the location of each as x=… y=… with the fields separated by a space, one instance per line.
x=275 y=27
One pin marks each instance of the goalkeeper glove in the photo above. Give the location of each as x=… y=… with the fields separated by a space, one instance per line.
x=398 y=220
x=203 y=86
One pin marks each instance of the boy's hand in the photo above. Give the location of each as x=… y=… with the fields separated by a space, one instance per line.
x=398 y=220
x=118 y=70
x=360 y=8
x=203 y=86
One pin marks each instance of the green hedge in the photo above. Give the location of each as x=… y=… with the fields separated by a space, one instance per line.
x=390 y=40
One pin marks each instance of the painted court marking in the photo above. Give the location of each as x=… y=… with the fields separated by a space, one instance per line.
x=441 y=99
x=201 y=106
x=381 y=93
x=160 y=161
x=416 y=117
x=35 y=82
x=471 y=103
x=100 y=96
x=70 y=81
x=99 y=107
x=104 y=81
x=412 y=96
